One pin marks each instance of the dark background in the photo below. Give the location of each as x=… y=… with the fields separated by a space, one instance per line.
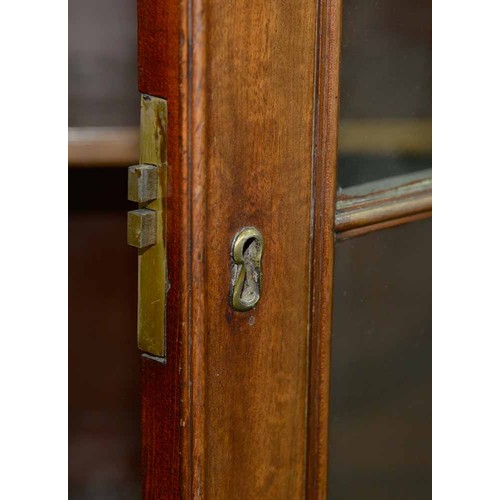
x=381 y=389
x=104 y=376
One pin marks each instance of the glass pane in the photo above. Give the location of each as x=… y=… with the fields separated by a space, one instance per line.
x=386 y=100
x=380 y=391
x=103 y=63
x=104 y=364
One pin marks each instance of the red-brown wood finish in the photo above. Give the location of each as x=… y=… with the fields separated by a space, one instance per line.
x=260 y=431
x=159 y=70
x=328 y=39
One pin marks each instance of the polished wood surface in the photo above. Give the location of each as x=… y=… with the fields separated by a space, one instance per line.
x=252 y=105
x=163 y=422
x=327 y=62
x=258 y=161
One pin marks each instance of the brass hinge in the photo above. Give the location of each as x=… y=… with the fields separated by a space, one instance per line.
x=147 y=185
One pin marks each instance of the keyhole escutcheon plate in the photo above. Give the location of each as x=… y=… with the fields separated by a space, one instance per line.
x=246 y=269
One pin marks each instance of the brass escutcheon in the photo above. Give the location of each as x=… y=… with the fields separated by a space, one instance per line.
x=246 y=269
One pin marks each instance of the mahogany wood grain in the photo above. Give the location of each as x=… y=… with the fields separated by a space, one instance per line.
x=328 y=38
x=258 y=166
x=159 y=72
x=239 y=408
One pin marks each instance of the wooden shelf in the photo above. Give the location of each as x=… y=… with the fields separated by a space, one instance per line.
x=119 y=146
x=103 y=146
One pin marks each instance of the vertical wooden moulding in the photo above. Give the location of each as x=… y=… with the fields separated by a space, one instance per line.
x=328 y=40
x=196 y=160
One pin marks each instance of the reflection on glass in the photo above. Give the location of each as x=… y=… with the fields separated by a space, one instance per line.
x=102 y=63
x=386 y=100
x=380 y=383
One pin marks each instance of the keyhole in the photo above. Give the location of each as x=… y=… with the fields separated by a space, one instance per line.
x=250 y=291
x=246 y=256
